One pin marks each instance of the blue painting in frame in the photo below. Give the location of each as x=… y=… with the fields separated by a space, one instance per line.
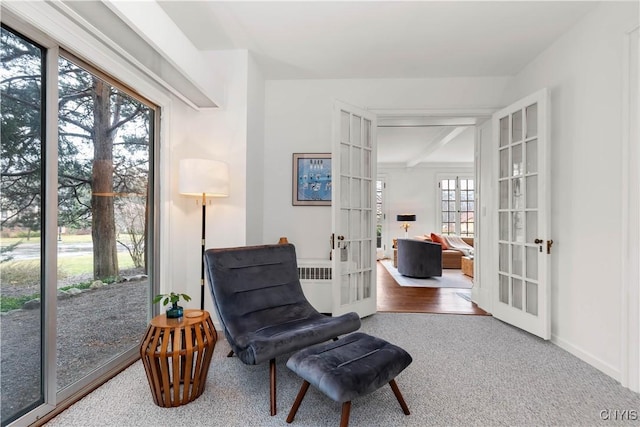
x=312 y=179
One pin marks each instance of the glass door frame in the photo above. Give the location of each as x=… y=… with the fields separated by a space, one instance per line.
x=53 y=400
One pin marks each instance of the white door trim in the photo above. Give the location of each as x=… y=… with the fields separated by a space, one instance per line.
x=630 y=218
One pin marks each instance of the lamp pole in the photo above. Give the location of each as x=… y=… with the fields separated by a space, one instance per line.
x=204 y=215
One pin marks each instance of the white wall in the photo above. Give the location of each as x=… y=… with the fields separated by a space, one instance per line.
x=583 y=70
x=415 y=190
x=219 y=134
x=255 y=154
x=298 y=120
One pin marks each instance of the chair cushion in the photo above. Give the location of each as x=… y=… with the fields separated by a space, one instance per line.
x=352 y=366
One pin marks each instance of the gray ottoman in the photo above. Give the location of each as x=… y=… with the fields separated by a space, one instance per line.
x=352 y=366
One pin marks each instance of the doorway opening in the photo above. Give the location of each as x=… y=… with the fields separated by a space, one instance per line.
x=415 y=153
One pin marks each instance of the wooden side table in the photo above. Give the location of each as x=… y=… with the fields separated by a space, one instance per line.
x=176 y=354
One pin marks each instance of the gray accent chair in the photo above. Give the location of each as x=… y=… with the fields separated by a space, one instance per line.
x=419 y=258
x=261 y=307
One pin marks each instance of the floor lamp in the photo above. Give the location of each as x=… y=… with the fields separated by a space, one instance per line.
x=203 y=178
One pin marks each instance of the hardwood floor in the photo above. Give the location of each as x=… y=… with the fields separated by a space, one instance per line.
x=401 y=299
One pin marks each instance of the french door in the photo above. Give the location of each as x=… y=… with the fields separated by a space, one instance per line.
x=523 y=242
x=353 y=210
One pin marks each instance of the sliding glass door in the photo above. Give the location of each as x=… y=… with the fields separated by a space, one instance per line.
x=88 y=192
x=104 y=153
x=21 y=194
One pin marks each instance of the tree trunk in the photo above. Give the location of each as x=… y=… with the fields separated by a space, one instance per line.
x=103 y=227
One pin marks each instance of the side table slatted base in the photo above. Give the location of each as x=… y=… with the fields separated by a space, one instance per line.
x=176 y=354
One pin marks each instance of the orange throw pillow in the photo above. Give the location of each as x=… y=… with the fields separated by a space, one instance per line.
x=438 y=239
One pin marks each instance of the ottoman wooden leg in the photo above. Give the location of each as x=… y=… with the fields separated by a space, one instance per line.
x=298 y=401
x=396 y=391
x=346 y=409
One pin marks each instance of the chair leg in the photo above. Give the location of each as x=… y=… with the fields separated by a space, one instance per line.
x=230 y=354
x=298 y=401
x=396 y=391
x=272 y=375
x=346 y=409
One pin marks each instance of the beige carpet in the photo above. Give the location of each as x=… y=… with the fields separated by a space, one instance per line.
x=466 y=371
x=449 y=279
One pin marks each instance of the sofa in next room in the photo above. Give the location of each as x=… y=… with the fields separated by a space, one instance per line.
x=451 y=258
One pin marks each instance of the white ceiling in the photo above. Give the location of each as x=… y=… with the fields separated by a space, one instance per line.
x=383 y=39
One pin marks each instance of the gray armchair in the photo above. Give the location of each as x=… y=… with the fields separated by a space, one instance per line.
x=419 y=258
x=262 y=309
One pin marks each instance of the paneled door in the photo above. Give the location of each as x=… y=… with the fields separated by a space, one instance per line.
x=353 y=210
x=523 y=240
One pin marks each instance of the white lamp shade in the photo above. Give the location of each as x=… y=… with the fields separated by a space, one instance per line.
x=202 y=176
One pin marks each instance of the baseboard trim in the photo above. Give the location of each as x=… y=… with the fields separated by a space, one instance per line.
x=587 y=357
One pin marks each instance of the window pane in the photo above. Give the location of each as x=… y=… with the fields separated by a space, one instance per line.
x=21 y=157
x=103 y=187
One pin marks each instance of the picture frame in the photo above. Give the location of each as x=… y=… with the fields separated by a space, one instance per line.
x=312 y=179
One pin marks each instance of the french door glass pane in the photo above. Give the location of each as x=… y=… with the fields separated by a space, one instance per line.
x=355 y=224
x=345 y=158
x=532 y=121
x=532 y=192
x=516 y=260
x=367 y=133
x=504 y=163
x=503 y=257
x=503 y=290
x=504 y=131
x=21 y=159
x=517 y=234
x=517 y=196
x=345 y=196
x=356 y=159
x=104 y=153
x=503 y=225
x=516 y=293
x=516 y=160
x=516 y=126
x=356 y=131
x=344 y=289
x=344 y=222
x=532 y=226
x=532 y=298
x=367 y=164
x=356 y=193
x=366 y=193
x=368 y=283
x=346 y=135
x=504 y=194
x=532 y=263
x=532 y=156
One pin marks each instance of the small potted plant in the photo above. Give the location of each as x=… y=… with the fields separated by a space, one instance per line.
x=175 y=311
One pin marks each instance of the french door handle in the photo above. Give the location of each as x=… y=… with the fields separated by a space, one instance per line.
x=538 y=241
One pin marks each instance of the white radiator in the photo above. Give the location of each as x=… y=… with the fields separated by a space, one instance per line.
x=315 y=278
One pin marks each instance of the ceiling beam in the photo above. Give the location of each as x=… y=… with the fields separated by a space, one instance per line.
x=444 y=137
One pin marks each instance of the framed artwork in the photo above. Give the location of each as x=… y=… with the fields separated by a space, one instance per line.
x=311 y=179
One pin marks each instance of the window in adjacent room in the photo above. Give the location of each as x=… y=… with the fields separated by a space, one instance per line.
x=457 y=205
